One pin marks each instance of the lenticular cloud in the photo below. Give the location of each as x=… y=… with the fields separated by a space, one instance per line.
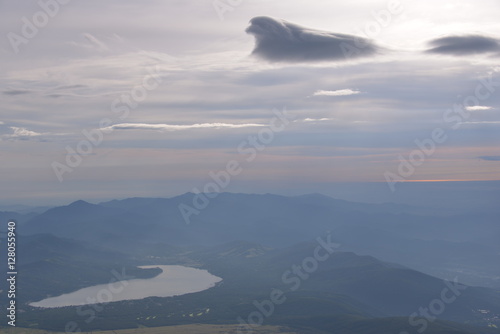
x=464 y=45
x=282 y=41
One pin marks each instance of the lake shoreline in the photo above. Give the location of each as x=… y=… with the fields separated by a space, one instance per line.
x=173 y=280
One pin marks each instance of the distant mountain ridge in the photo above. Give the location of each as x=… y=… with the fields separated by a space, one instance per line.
x=448 y=246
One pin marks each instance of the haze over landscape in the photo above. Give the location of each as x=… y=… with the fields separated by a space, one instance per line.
x=332 y=167
x=201 y=88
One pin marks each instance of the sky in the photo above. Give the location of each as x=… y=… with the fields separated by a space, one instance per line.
x=120 y=98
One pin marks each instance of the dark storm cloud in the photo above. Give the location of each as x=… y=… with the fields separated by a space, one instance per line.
x=464 y=45
x=490 y=157
x=279 y=40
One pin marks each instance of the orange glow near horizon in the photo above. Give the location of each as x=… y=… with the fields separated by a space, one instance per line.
x=451 y=180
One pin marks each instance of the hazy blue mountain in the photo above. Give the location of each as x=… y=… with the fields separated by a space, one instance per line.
x=90 y=222
x=49 y=265
x=386 y=287
x=446 y=246
x=20 y=218
x=345 y=291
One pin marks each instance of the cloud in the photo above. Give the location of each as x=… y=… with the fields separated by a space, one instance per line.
x=478 y=108
x=317 y=119
x=88 y=77
x=16 y=92
x=490 y=157
x=67 y=87
x=482 y=122
x=341 y=92
x=91 y=43
x=22 y=133
x=176 y=127
x=281 y=41
x=95 y=41
x=464 y=45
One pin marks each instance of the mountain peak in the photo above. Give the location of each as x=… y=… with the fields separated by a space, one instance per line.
x=79 y=203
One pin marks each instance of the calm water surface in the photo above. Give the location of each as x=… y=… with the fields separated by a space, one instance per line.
x=173 y=281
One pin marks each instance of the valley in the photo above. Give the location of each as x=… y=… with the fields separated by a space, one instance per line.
x=272 y=275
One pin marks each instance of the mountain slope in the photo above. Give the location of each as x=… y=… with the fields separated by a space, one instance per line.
x=390 y=289
x=49 y=266
x=450 y=246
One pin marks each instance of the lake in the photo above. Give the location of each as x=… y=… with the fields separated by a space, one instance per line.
x=173 y=281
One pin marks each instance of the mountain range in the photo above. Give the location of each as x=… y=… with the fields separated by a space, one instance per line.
x=342 y=267
x=462 y=245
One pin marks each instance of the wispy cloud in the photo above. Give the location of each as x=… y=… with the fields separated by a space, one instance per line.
x=178 y=127
x=317 y=119
x=90 y=42
x=95 y=42
x=490 y=157
x=16 y=92
x=87 y=77
x=340 y=92
x=478 y=108
x=482 y=122
x=22 y=133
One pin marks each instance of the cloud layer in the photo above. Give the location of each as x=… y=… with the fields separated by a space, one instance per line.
x=340 y=92
x=281 y=41
x=74 y=75
x=464 y=45
x=24 y=134
x=490 y=157
x=176 y=127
